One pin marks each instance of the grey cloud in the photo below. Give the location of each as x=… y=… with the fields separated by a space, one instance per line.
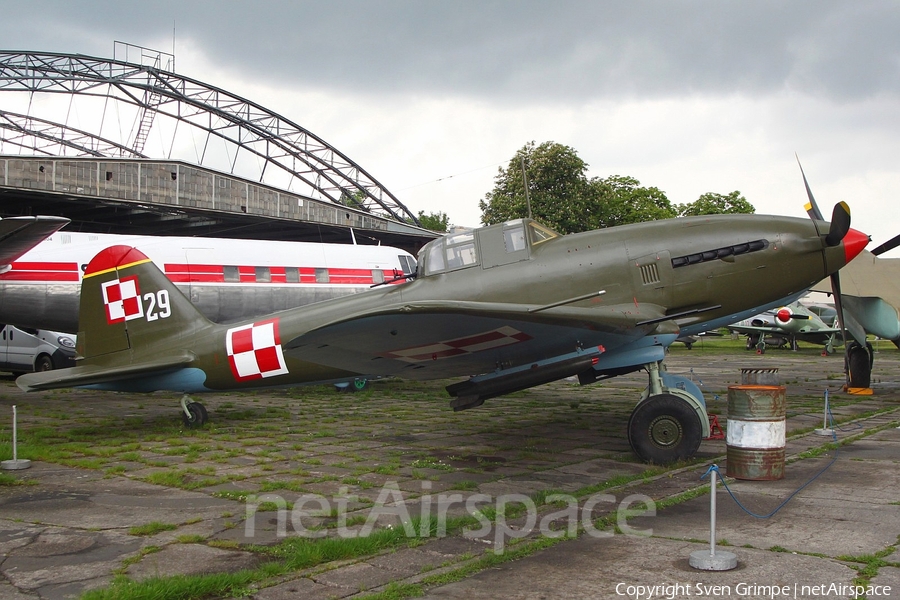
x=510 y=51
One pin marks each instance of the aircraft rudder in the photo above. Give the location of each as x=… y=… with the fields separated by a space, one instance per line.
x=128 y=303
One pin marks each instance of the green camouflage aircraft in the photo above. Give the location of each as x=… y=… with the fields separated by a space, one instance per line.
x=508 y=306
x=787 y=324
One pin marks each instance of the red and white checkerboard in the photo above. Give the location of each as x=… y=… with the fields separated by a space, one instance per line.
x=122 y=299
x=254 y=351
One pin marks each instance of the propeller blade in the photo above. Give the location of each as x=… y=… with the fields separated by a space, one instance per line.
x=888 y=245
x=812 y=209
x=839 y=309
x=846 y=323
x=840 y=224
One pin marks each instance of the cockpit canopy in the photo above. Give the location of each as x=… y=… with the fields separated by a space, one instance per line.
x=487 y=247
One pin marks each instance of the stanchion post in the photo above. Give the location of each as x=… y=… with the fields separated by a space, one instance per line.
x=15 y=463
x=709 y=560
x=713 y=480
x=825 y=430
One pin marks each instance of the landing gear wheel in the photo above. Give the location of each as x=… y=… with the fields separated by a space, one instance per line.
x=198 y=416
x=43 y=363
x=664 y=429
x=859 y=365
x=752 y=341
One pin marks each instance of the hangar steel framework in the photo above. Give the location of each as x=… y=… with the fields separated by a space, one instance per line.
x=245 y=134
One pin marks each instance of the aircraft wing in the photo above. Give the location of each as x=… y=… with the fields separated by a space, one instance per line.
x=751 y=330
x=18 y=235
x=868 y=275
x=822 y=336
x=92 y=374
x=818 y=336
x=870 y=287
x=436 y=339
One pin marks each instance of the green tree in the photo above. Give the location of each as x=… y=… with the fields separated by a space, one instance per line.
x=562 y=196
x=622 y=200
x=558 y=188
x=716 y=204
x=438 y=221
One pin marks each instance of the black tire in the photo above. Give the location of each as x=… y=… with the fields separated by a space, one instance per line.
x=43 y=363
x=752 y=341
x=664 y=429
x=198 y=416
x=859 y=365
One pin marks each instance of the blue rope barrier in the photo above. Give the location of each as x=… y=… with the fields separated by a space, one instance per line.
x=715 y=468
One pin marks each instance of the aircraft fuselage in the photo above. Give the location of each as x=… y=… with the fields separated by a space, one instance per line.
x=492 y=301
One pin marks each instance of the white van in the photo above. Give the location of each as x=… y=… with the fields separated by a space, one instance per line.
x=26 y=350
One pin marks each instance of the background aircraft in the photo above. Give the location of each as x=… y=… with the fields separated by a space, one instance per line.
x=227 y=279
x=867 y=301
x=515 y=303
x=870 y=294
x=787 y=324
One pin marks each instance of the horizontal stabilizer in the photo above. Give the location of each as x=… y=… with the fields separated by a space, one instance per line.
x=95 y=374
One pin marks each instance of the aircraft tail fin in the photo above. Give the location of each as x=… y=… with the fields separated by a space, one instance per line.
x=129 y=306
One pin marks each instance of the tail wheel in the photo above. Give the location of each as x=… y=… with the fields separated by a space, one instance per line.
x=198 y=416
x=664 y=429
x=859 y=365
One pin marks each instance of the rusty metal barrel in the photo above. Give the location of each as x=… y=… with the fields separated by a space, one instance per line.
x=755 y=438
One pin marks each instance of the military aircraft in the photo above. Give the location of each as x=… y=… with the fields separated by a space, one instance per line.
x=868 y=301
x=787 y=325
x=508 y=306
x=870 y=294
x=227 y=279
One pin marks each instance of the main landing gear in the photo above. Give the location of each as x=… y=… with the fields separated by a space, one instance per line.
x=193 y=413
x=669 y=422
x=859 y=360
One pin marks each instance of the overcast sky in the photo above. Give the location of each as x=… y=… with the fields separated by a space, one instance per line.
x=432 y=97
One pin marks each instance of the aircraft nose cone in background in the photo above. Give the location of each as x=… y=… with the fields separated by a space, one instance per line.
x=854 y=242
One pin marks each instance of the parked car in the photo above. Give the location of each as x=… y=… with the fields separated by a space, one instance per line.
x=26 y=350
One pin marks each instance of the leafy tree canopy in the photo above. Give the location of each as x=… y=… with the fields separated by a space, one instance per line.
x=558 y=188
x=563 y=197
x=624 y=201
x=715 y=204
x=438 y=221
